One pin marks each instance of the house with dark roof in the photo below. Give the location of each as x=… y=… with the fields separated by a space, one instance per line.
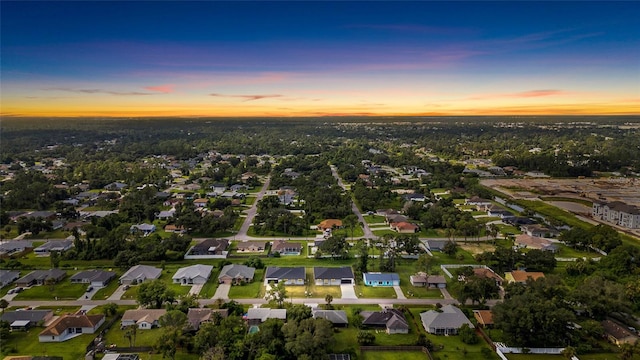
x=618 y=334
x=96 y=278
x=144 y=319
x=8 y=276
x=14 y=246
x=40 y=277
x=198 y=316
x=333 y=275
x=140 y=273
x=336 y=317
x=25 y=319
x=392 y=320
x=286 y=247
x=446 y=321
x=209 y=248
x=537 y=230
x=53 y=245
x=70 y=326
x=289 y=275
x=236 y=274
x=381 y=279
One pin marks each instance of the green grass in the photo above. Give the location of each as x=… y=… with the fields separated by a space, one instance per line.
x=209 y=288
x=383 y=232
x=417 y=292
x=375 y=292
x=567 y=199
x=106 y=291
x=393 y=355
x=249 y=291
x=64 y=290
x=374 y=219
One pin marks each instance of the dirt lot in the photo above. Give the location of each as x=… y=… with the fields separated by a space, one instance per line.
x=604 y=189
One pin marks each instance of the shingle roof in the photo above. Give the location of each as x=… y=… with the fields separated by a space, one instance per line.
x=335 y=316
x=265 y=313
x=616 y=330
x=237 y=270
x=193 y=271
x=285 y=272
x=143 y=315
x=30 y=315
x=141 y=272
x=381 y=277
x=67 y=321
x=93 y=275
x=344 y=272
x=42 y=275
x=449 y=317
x=390 y=318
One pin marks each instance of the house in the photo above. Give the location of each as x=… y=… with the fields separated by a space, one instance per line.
x=336 y=317
x=192 y=275
x=197 y=316
x=210 y=247
x=251 y=246
x=256 y=316
x=115 y=186
x=200 y=203
x=53 y=245
x=140 y=273
x=395 y=218
x=521 y=277
x=447 y=321
x=145 y=229
x=8 y=276
x=392 y=320
x=381 y=279
x=480 y=203
x=436 y=245
x=538 y=230
x=70 y=326
x=414 y=197
x=289 y=275
x=618 y=213
x=14 y=246
x=286 y=247
x=484 y=272
x=404 y=227
x=24 y=319
x=524 y=241
x=166 y=214
x=218 y=188
x=96 y=278
x=333 y=275
x=236 y=274
x=171 y=228
x=117 y=356
x=484 y=317
x=330 y=224
x=40 y=277
x=430 y=281
x=144 y=319
x=617 y=333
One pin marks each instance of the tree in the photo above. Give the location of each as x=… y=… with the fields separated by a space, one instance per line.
x=569 y=352
x=173 y=319
x=173 y=324
x=54 y=257
x=254 y=262
x=350 y=221
x=363 y=257
x=130 y=334
x=423 y=264
x=335 y=245
x=539 y=260
x=467 y=335
x=450 y=248
x=298 y=312
x=110 y=309
x=154 y=293
x=3 y=304
x=278 y=293
x=309 y=338
x=328 y=299
x=366 y=337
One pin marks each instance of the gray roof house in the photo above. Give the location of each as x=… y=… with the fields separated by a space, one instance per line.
x=14 y=246
x=392 y=320
x=336 y=317
x=40 y=277
x=8 y=276
x=256 y=316
x=53 y=245
x=290 y=275
x=333 y=275
x=140 y=273
x=236 y=274
x=447 y=321
x=197 y=316
x=192 y=275
x=26 y=318
x=97 y=278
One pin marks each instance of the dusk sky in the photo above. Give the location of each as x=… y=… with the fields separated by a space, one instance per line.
x=116 y=58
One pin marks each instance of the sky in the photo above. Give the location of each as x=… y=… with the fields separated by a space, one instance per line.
x=331 y=58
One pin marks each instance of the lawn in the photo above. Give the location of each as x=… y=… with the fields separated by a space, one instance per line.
x=64 y=290
x=106 y=291
x=375 y=292
x=311 y=290
x=393 y=355
x=209 y=288
x=374 y=219
x=416 y=292
x=249 y=291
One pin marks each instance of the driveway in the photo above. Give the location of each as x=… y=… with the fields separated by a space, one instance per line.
x=117 y=295
x=399 y=293
x=348 y=292
x=195 y=289
x=222 y=292
x=89 y=294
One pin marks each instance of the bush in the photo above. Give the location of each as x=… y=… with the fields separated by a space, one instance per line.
x=467 y=335
x=366 y=338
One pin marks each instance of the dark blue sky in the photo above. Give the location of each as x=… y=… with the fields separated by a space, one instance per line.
x=446 y=52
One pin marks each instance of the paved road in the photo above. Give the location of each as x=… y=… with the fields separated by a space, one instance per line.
x=251 y=213
x=368 y=234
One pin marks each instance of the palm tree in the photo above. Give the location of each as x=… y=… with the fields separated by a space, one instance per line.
x=328 y=299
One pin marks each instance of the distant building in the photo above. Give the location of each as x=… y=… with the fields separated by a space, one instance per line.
x=617 y=213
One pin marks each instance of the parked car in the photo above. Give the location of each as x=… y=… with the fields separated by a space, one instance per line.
x=89 y=288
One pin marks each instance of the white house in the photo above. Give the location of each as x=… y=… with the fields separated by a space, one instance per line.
x=143 y=318
x=139 y=274
x=70 y=326
x=192 y=275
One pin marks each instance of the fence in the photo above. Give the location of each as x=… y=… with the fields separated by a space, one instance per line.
x=397 y=348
